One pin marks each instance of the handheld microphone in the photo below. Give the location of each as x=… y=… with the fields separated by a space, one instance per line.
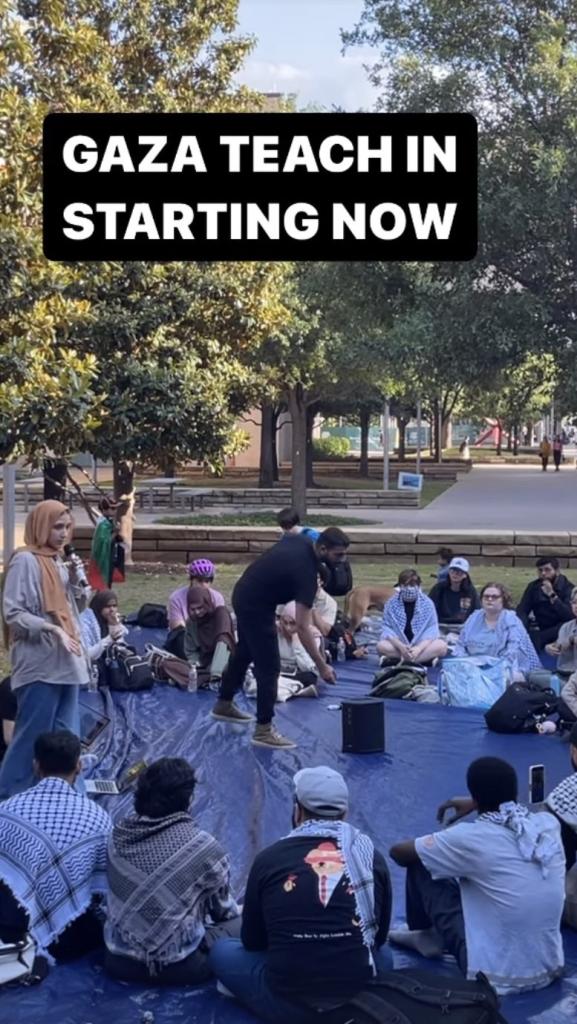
x=77 y=563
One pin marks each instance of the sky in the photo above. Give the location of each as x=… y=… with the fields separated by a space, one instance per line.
x=298 y=51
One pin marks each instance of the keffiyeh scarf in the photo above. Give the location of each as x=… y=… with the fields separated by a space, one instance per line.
x=563 y=801
x=165 y=878
x=53 y=855
x=358 y=854
x=535 y=842
x=424 y=623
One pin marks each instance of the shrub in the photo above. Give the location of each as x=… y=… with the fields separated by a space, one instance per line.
x=331 y=447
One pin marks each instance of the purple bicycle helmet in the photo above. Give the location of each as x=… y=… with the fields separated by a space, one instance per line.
x=202 y=568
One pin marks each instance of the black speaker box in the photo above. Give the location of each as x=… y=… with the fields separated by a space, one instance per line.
x=363 y=726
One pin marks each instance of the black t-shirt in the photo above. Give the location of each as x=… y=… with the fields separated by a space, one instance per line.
x=409 y=612
x=300 y=908
x=286 y=572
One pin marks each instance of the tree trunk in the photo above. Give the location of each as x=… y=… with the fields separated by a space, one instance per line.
x=123 y=477
x=446 y=432
x=401 y=427
x=510 y=440
x=311 y=413
x=365 y=421
x=436 y=432
x=516 y=439
x=499 y=437
x=274 y=449
x=298 y=413
x=55 y=480
x=267 y=445
x=168 y=466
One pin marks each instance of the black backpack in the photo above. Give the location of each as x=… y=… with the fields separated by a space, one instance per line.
x=521 y=708
x=125 y=670
x=420 y=997
x=152 y=616
x=337 y=579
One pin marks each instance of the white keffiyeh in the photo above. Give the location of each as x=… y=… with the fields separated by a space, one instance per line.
x=535 y=842
x=563 y=801
x=424 y=623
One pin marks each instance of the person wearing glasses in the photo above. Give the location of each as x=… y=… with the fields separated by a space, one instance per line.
x=495 y=631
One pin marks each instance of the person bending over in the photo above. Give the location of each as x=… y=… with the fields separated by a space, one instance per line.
x=455 y=597
x=494 y=631
x=410 y=630
x=546 y=602
x=53 y=856
x=208 y=635
x=288 y=571
x=490 y=891
x=41 y=604
x=316 y=912
x=169 y=885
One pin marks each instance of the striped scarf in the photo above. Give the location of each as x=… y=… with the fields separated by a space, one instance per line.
x=358 y=854
x=424 y=623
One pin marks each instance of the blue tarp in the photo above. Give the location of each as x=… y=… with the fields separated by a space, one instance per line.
x=244 y=798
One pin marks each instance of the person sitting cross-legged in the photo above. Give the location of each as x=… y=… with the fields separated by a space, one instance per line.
x=490 y=891
x=410 y=630
x=546 y=602
x=316 y=912
x=455 y=598
x=169 y=890
x=53 y=856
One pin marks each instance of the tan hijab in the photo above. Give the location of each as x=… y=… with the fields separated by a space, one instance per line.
x=36 y=534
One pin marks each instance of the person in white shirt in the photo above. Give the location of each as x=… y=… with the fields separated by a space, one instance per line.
x=293 y=657
x=490 y=890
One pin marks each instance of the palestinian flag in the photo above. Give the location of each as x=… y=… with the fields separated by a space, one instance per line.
x=106 y=564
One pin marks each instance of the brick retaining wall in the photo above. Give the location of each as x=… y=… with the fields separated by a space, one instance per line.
x=179 y=544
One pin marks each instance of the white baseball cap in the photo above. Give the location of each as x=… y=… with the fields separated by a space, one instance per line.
x=459 y=563
x=323 y=790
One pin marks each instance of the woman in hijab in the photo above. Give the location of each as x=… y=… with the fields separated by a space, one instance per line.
x=41 y=602
x=209 y=635
x=101 y=626
x=410 y=630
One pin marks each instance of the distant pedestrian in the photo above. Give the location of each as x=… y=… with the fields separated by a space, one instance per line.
x=557 y=451
x=545 y=452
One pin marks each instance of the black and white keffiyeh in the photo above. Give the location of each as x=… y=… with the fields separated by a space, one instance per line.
x=534 y=841
x=166 y=877
x=563 y=801
x=424 y=623
x=358 y=855
x=53 y=855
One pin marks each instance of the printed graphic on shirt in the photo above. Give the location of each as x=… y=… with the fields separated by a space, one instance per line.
x=327 y=863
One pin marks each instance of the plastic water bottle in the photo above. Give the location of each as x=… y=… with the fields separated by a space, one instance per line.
x=341 y=649
x=192 y=679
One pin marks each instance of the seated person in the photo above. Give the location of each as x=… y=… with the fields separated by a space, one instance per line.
x=455 y=597
x=494 y=631
x=444 y=558
x=101 y=626
x=547 y=601
x=564 y=648
x=293 y=657
x=325 y=611
x=410 y=630
x=562 y=802
x=290 y=523
x=479 y=888
x=169 y=885
x=53 y=855
x=316 y=912
x=201 y=573
x=208 y=635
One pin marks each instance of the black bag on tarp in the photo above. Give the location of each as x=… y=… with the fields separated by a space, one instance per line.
x=420 y=997
x=337 y=579
x=152 y=616
x=125 y=670
x=520 y=708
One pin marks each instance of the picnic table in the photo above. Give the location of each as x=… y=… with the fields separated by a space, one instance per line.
x=169 y=482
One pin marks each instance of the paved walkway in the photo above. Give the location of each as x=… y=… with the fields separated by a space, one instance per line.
x=489 y=497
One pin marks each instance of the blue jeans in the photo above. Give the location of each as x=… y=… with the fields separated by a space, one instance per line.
x=243 y=973
x=42 y=707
